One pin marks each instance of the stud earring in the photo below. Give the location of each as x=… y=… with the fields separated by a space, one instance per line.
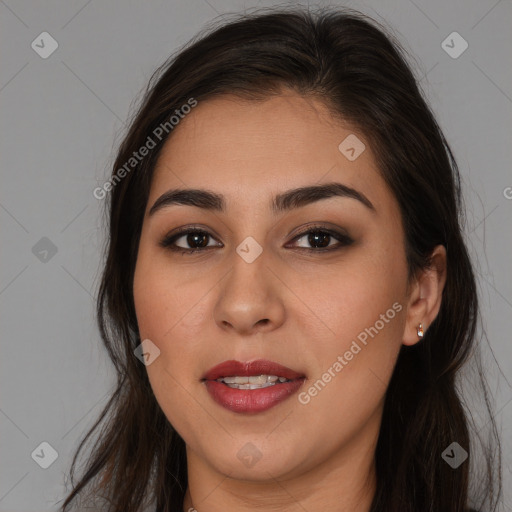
x=420 y=331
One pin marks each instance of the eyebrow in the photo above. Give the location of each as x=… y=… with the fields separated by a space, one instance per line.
x=294 y=198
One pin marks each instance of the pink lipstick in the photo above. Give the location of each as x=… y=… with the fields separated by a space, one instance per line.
x=251 y=387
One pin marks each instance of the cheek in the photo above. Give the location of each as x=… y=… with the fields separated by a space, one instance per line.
x=351 y=368
x=170 y=316
x=363 y=307
x=160 y=300
x=353 y=296
x=171 y=311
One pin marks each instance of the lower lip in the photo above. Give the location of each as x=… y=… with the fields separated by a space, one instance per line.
x=251 y=400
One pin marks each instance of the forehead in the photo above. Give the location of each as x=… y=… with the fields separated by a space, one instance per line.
x=257 y=148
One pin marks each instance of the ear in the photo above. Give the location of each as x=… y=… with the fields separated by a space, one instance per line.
x=425 y=296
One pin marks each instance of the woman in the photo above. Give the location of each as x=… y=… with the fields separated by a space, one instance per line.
x=287 y=297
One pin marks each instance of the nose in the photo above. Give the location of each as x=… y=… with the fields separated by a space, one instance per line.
x=250 y=298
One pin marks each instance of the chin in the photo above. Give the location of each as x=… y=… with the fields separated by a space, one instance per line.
x=256 y=460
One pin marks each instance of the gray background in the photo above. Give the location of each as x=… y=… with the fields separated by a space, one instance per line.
x=61 y=120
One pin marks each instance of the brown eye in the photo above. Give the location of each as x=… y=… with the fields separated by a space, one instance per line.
x=321 y=239
x=197 y=240
x=193 y=240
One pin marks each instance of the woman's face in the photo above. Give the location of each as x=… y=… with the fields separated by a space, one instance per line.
x=317 y=284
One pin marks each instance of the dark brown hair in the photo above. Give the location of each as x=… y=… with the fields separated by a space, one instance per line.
x=360 y=72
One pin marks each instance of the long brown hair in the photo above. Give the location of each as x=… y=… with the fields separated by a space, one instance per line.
x=360 y=72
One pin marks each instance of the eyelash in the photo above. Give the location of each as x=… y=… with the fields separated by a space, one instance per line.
x=344 y=240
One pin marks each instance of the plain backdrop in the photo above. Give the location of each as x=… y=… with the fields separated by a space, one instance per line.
x=62 y=118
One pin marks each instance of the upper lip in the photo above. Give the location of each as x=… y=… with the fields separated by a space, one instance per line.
x=251 y=368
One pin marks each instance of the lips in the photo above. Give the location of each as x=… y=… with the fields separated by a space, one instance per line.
x=251 y=369
x=251 y=400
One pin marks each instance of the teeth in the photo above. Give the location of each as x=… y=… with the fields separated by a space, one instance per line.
x=235 y=380
x=252 y=386
x=252 y=382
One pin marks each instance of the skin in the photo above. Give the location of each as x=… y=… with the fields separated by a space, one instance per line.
x=298 y=308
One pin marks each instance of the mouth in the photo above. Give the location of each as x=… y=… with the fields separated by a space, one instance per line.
x=251 y=387
x=253 y=382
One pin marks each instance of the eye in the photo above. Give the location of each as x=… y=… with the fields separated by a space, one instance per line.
x=320 y=238
x=197 y=240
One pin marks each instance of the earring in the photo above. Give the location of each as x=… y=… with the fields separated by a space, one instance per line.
x=420 y=331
